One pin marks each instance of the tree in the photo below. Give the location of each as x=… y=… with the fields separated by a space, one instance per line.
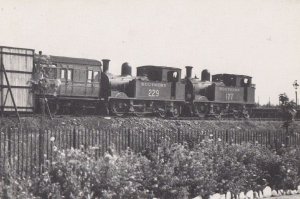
x=288 y=109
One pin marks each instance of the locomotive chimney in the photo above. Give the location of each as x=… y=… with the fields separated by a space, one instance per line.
x=189 y=72
x=126 y=69
x=105 y=65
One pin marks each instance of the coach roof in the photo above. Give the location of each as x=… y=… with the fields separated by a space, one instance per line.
x=66 y=60
x=71 y=60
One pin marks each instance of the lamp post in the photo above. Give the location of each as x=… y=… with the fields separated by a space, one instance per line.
x=295 y=84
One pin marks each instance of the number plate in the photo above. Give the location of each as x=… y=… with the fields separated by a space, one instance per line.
x=153 y=93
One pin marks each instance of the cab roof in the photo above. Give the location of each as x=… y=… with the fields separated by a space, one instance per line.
x=159 y=67
x=226 y=74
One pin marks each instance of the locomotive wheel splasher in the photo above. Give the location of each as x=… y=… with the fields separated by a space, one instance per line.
x=119 y=107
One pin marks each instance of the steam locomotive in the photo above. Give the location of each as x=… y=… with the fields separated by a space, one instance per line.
x=73 y=85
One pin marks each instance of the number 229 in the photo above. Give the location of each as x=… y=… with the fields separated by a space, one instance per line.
x=153 y=93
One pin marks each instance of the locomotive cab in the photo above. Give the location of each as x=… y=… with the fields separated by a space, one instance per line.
x=236 y=89
x=159 y=82
x=233 y=80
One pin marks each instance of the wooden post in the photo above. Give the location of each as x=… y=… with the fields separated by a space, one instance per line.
x=11 y=94
x=287 y=141
x=227 y=137
x=9 y=145
x=74 y=138
x=47 y=106
x=269 y=138
x=41 y=150
x=128 y=138
x=1 y=85
x=178 y=136
x=41 y=137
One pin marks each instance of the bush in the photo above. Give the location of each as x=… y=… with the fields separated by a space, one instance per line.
x=175 y=171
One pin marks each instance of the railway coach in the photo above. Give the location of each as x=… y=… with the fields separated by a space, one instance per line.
x=69 y=85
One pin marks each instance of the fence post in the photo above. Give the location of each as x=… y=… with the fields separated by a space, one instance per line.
x=9 y=145
x=74 y=138
x=287 y=141
x=178 y=136
x=128 y=138
x=226 y=136
x=41 y=149
x=269 y=138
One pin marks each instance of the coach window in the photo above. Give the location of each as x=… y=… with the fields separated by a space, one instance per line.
x=63 y=74
x=96 y=76
x=90 y=76
x=49 y=71
x=69 y=74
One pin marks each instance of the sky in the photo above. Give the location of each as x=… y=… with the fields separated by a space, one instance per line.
x=259 y=38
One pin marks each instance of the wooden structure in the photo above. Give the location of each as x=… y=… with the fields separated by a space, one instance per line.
x=15 y=75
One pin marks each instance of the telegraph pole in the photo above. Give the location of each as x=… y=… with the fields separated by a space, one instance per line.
x=295 y=84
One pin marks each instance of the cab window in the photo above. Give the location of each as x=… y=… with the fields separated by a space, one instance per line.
x=172 y=76
x=154 y=75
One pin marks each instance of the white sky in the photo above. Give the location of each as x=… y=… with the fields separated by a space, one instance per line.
x=260 y=38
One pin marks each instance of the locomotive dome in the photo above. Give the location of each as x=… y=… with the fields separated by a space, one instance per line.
x=126 y=69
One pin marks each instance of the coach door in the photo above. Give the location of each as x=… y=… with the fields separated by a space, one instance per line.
x=92 y=88
x=66 y=76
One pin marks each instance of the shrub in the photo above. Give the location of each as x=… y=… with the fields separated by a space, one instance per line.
x=175 y=171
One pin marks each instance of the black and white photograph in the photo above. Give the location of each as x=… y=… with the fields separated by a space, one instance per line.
x=149 y=99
